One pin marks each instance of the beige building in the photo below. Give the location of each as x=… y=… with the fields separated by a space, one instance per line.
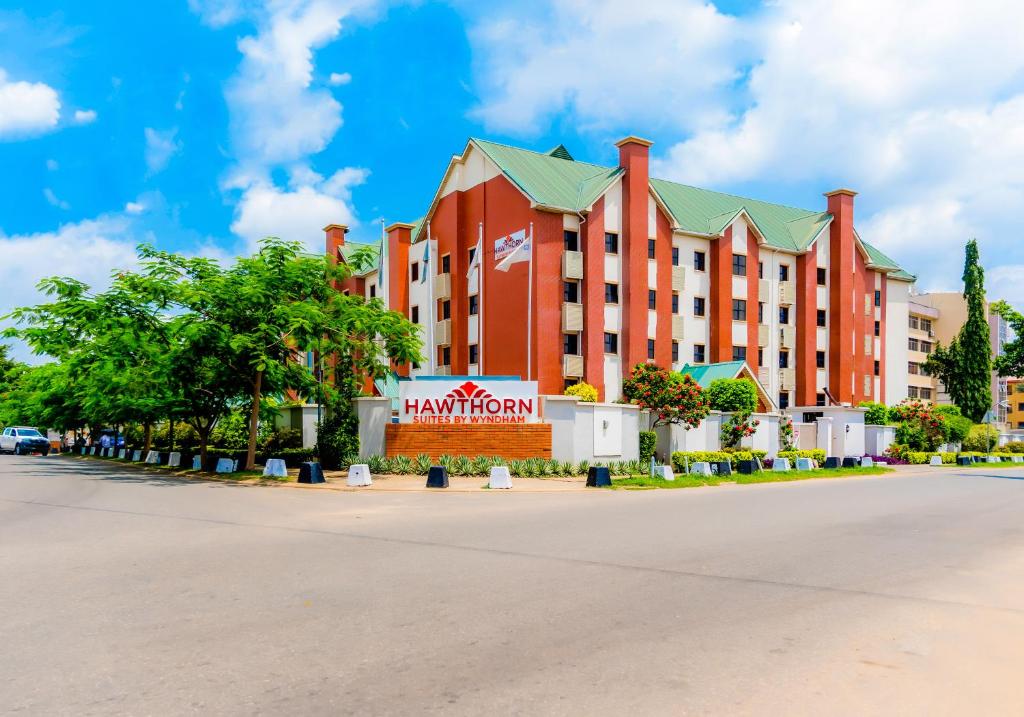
x=937 y=317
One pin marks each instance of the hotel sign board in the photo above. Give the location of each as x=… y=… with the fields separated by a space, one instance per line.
x=467 y=401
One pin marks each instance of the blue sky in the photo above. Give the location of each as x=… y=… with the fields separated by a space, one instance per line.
x=202 y=125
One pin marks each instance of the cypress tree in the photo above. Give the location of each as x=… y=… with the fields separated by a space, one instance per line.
x=973 y=391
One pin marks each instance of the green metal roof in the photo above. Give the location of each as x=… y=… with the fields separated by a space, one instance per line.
x=704 y=374
x=881 y=260
x=369 y=264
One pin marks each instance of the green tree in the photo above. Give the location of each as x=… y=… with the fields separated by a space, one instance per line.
x=877 y=413
x=965 y=366
x=1011 y=362
x=672 y=398
x=733 y=394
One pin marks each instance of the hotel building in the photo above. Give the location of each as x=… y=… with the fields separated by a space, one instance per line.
x=626 y=268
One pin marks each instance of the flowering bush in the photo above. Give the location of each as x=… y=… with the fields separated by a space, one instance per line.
x=786 y=433
x=583 y=391
x=739 y=426
x=670 y=397
x=921 y=427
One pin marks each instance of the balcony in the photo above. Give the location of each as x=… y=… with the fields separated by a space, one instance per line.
x=678 y=278
x=764 y=376
x=868 y=304
x=763 y=334
x=442 y=286
x=443 y=332
x=443 y=371
x=572 y=317
x=787 y=337
x=572 y=366
x=869 y=345
x=787 y=379
x=787 y=293
x=572 y=265
x=764 y=289
x=678 y=327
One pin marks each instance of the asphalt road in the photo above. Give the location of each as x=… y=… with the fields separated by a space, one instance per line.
x=122 y=593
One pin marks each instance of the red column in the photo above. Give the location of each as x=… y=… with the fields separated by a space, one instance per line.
x=663 y=305
x=841 y=358
x=753 y=282
x=721 y=297
x=862 y=325
x=881 y=350
x=546 y=353
x=633 y=157
x=399 y=241
x=806 y=327
x=593 y=298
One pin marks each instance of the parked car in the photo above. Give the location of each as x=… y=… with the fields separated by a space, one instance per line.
x=114 y=435
x=21 y=440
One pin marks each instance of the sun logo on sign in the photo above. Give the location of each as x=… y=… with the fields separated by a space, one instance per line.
x=469 y=390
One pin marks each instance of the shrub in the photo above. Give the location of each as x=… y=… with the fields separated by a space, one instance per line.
x=376 y=464
x=422 y=463
x=733 y=394
x=959 y=426
x=922 y=428
x=402 y=465
x=680 y=458
x=1014 y=447
x=338 y=436
x=815 y=454
x=981 y=438
x=582 y=468
x=877 y=413
x=786 y=439
x=283 y=438
x=672 y=399
x=738 y=427
x=648 y=439
x=583 y=391
x=462 y=466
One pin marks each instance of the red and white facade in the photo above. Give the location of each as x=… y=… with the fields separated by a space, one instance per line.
x=617 y=284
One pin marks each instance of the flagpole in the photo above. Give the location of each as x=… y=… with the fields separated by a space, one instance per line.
x=431 y=309
x=385 y=287
x=529 y=312
x=480 y=309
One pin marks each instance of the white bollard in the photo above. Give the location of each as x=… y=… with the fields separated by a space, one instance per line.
x=1017 y=459
x=136 y=456
x=991 y=459
x=234 y=465
x=197 y=463
x=782 y=464
x=700 y=468
x=935 y=461
x=664 y=472
x=500 y=477
x=881 y=463
x=153 y=458
x=867 y=462
x=174 y=460
x=803 y=464
x=122 y=453
x=275 y=467
x=359 y=476
x=84 y=450
x=225 y=465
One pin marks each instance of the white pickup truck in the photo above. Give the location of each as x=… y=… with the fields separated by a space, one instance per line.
x=22 y=440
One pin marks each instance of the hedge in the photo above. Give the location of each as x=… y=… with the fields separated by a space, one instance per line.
x=679 y=458
x=648 y=439
x=815 y=454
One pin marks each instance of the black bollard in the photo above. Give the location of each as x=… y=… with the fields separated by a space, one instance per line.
x=437 y=477
x=598 y=477
x=831 y=462
x=964 y=460
x=748 y=467
x=724 y=468
x=851 y=462
x=311 y=472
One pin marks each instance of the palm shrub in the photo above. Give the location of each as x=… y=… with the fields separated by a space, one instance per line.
x=422 y=464
x=462 y=466
x=376 y=464
x=481 y=466
x=402 y=465
x=582 y=468
x=447 y=462
x=566 y=469
x=519 y=469
x=553 y=468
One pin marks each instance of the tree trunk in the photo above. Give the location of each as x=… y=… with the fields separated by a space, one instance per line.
x=170 y=434
x=254 y=421
x=147 y=440
x=204 y=442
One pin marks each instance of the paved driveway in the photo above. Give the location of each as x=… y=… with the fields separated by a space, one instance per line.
x=125 y=593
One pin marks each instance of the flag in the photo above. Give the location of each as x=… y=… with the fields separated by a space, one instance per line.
x=477 y=253
x=520 y=253
x=426 y=263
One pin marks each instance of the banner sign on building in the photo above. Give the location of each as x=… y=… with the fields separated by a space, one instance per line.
x=467 y=401
x=506 y=245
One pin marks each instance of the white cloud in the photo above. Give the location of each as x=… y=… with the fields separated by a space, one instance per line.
x=160 y=147
x=26 y=107
x=53 y=201
x=85 y=116
x=300 y=212
x=51 y=164
x=340 y=78
x=134 y=208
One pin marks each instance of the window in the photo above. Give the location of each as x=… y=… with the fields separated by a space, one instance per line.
x=878 y=297
x=571 y=292
x=698 y=306
x=675 y=256
x=569 y=382
x=698 y=260
x=783 y=272
x=912 y=392
x=474 y=354
x=783 y=359
x=914 y=323
x=878 y=368
x=784 y=315
x=698 y=353
x=446 y=309
x=760 y=312
x=819 y=359
x=571 y=344
x=821 y=317
x=414 y=314
x=913 y=345
x=913 y=368
x=571 y=240
x=878 y=328
x=739 y=310
x=784 y=399
x=739 y=353
x=926 y=346
x=760 y=356
x=611 y=243
x=474 y=306
x=651 y=248
x=414 y=271
x=926 y=394
x=926 y=325
x=446 y=264
x=373 y=291
x=611 y=293
x=652 y=299
x=446 y=355
x=739 y=265
x=675 y=351
x=819 y=399
x=650 y=348
x=822 y=278
x=611 y=343
x=472 y=253
x=675 y=302
x=760 y=270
